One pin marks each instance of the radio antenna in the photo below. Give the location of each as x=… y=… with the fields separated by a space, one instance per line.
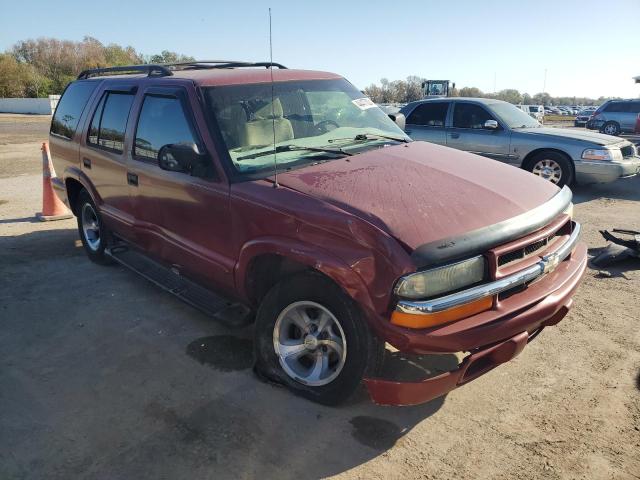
x=273 y=113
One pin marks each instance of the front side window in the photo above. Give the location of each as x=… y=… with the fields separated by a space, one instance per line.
x=429 y=114
x=512 y=116
x=65 y=120
x=468 y=115
x=109 y=121
x=162 y=121
x=309 y=121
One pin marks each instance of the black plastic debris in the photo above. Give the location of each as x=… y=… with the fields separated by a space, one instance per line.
x=620 y=248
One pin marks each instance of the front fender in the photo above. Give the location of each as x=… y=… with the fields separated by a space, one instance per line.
x=309 y=255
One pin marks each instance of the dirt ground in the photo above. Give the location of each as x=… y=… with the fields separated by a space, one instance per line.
x=104 y=376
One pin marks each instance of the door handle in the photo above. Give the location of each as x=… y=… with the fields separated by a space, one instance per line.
x=454 y=135
x=86 y=162
x=132 y=179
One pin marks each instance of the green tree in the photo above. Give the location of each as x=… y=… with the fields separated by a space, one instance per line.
x=170 y=57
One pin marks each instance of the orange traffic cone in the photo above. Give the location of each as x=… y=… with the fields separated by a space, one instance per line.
x=52 y=206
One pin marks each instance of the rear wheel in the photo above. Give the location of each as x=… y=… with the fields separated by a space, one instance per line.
x=611 y=128
x=93 y=234
x=312 y=338
x=552 y=166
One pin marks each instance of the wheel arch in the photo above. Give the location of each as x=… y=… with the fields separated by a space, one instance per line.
x=527 y=159
x=263 y=263
x=74 y=182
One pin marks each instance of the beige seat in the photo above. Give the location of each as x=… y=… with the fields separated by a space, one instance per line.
x=232 y=120
x=259 y=130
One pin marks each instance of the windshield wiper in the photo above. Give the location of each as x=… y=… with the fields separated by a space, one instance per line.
x=362 y=137
x=294 y=148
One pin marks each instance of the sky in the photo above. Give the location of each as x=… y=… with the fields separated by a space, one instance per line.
x=587 y=48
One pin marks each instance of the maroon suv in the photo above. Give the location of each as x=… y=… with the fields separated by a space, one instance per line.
x=255 y=192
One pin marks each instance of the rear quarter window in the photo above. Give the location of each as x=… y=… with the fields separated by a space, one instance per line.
x=70 y=107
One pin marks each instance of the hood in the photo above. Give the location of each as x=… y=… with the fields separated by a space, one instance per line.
x=583 y=135
x=421 y=192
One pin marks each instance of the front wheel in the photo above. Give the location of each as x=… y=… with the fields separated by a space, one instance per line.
x=552 y=166
x=312 y=338
x=611 y=128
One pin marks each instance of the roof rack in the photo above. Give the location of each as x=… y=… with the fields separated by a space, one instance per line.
x=166 y=69
x=206 y=64
x=152 y=70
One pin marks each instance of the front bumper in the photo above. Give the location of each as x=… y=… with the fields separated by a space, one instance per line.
x=492 y=337
x=605 y=172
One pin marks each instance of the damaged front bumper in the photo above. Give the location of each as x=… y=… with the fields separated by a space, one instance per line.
x=491 y=338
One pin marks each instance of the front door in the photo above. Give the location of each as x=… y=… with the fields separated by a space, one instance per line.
x=468 y=132
x=182 y=219
x=427 y=122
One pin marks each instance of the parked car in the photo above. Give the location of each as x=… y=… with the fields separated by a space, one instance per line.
x=616 y=116
x=499 y=130
x=534 y=111
x=287 y=197
x=582 y=118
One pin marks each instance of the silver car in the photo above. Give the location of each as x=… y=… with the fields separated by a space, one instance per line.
x=616 y=116
x=499 y=130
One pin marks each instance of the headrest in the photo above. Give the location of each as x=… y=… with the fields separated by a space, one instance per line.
x=264 y=113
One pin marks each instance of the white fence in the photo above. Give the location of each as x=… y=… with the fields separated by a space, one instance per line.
x=40 y=106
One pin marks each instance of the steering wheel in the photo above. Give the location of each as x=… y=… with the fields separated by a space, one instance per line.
x=324 y=124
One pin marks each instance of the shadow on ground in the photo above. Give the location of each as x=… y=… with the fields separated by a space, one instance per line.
x=622 y=189
x=103 y=375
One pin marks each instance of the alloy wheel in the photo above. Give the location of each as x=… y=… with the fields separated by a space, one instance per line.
x=90 y=227
x=549 y=170
x=310 y=343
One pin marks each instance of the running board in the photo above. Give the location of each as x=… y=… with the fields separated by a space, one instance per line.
x=231 y=314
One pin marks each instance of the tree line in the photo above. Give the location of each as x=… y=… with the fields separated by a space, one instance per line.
x=44 y=66
x=404 y=91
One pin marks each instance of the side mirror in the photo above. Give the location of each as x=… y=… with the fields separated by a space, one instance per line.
x=491 y=125
x=181 y=157
x=399 y=119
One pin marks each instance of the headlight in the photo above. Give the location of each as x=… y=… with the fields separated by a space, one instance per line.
x=447 y=278
x=602 y=154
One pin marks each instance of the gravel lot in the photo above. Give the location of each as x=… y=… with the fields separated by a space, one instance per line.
x=104 y=376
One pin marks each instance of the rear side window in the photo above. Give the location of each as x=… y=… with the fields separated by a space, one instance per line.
x=634 y=107
x=468 y=115
x=162 y=121
x=616 y=107
x=109 y=121
x=70 y=107
x=429 y=114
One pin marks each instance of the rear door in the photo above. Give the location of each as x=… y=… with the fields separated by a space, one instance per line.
x=467 y=132
x=181 y=219
x=634 y=116
x=102 y=154
x=427 y=122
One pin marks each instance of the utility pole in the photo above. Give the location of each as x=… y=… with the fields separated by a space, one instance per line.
x=494 y=82
x=544 y=86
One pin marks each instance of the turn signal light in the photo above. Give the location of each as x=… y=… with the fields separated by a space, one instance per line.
x=426 y=320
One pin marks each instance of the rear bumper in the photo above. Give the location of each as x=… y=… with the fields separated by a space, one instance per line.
x=492 y=338
x=604 y=172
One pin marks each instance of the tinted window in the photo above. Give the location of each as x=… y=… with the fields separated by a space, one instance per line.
x=110 y=121
x=634 y=107
x=468 y=115
x=162 y=121
x=429 y=114
x=617 y=107
x=70 y=107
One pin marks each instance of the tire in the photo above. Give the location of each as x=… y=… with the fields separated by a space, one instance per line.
x=611 y=128
x=94 y=236
x=280 y=329
x=552 y=166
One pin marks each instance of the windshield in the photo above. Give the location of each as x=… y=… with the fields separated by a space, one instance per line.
x=512 y=116
x=313 y=120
